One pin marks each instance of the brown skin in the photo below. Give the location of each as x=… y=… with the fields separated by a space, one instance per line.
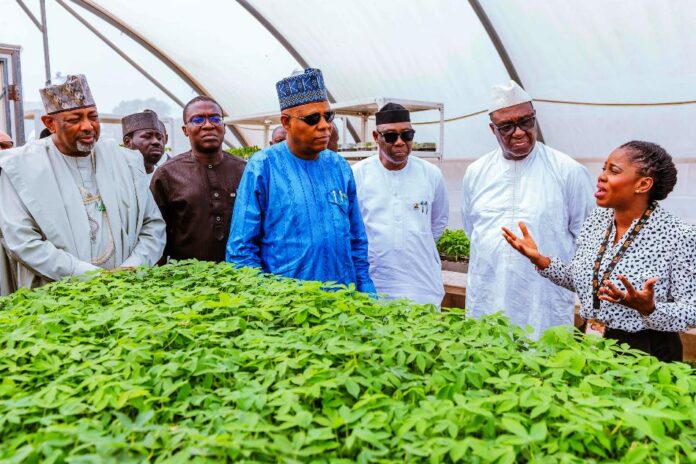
x=278 y=135
x=393 y=156
x=305 y=141
x=74 y=132
x=333 y=140
x=518 y=145
x=206 y=139
x=150 y=144
x=621 y=188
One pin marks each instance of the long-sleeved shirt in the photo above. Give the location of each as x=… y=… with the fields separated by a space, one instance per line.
x=552 y=194
x=46 y=231
x=300 y=219
x=196 y=201
x=405 y=213
x=665 y=248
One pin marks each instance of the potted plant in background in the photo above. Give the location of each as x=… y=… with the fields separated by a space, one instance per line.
x=243 y=152
x=453 y=247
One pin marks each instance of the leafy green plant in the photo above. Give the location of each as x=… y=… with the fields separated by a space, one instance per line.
x=243 y=152
x=195 y=362
x=454 y=244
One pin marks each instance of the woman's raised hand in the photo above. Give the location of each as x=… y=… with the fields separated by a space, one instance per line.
x=526 y=246
x=642 y=301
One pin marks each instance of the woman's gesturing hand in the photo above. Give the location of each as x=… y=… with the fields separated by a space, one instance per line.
x=642 y=301
x=526 y=246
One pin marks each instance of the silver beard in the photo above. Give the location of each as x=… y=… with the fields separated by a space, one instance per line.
x=85 y=147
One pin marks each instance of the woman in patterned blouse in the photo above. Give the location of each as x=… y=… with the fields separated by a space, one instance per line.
x=635 y=264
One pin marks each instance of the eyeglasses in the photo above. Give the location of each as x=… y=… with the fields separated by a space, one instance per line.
x=314 y=118
x=200 y=120
x=525 y=124
x=390 y=137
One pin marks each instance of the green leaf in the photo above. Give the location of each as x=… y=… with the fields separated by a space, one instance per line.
x=352 y=387
x=511 y=425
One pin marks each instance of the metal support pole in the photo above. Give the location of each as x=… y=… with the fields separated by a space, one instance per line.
x=103 y=14
x=500 y=48
x=290 y=49
x=441 y=148
x=344 y=128
x=120 y=52
x=363 y=127
x=31 y=15
x=127 y=58
x=44 y=31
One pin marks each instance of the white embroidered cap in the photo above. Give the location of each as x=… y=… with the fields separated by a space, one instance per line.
x=505 y=96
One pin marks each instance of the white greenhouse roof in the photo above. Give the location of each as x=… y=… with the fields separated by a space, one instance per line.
x=603 y=71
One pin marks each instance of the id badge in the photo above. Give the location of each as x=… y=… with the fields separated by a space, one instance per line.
x=593 y=327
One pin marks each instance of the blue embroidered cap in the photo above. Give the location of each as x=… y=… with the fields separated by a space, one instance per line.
x=301 y=89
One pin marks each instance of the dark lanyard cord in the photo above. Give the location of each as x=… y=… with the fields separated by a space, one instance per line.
x=619 y=254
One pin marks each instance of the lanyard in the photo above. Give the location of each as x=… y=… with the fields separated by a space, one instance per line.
x=619 y=254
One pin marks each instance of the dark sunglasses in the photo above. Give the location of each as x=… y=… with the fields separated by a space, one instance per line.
x=390 y=137
x=525 y=124
x=314 y=118
x=200 y=120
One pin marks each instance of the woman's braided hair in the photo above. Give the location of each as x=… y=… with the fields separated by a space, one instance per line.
x=653 y=161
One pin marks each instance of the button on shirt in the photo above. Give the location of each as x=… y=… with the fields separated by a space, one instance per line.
x=405 y=213
x=196 y=201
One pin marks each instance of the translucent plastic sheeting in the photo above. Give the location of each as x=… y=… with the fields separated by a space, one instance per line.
x=75 y=49
x=221 y=46
x=417 y=49
x=394 y=49
x=602 y=51
x=594 y=51
x=605 y=51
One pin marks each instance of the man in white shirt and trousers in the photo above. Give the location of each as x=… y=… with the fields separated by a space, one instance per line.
x=521 y=180
x=72 y=203
x=404 y=206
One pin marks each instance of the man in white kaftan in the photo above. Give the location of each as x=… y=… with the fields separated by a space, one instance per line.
x=71 y=203
x=522 y=180
x=404 y=205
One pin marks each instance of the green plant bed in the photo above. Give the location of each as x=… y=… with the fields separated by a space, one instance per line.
x=454 y=245
x=195 y=362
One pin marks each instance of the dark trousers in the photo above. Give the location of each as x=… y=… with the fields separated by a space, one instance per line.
x=665 y=346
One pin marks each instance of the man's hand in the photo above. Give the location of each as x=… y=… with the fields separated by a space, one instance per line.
x=642 y=301
x=526 y=246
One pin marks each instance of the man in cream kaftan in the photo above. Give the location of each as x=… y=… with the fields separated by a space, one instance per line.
x=65 y=214
x=522 y=180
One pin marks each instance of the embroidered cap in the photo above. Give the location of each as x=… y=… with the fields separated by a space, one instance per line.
x=505 y=96
x=71 y=95
x=301 y=89
x=138 y=121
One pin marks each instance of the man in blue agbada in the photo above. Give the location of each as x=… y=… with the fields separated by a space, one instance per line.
x=297 y=213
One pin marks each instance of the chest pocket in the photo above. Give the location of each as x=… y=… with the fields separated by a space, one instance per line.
x=338 y=207
x=417 y=211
